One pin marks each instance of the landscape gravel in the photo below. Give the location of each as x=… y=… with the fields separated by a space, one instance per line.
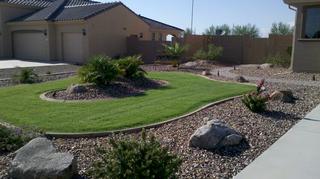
x=277 y=73
x=260 y=131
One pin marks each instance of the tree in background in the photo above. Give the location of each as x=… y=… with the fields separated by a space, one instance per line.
x=249 y=29
x=281 y=29
x=218 y=30
x=188 y=31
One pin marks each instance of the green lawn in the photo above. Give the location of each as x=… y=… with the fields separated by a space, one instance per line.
x=20 y=105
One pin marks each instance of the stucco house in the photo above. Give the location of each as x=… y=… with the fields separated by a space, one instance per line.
x=306 y=45
x=72 y=30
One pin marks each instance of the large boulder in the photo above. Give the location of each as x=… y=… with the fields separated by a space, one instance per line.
x=214 y=135
x=76 y=88
x=285 y=96
x=266 y=66
x=39 y=160
x=189 y=64
x=240 y=79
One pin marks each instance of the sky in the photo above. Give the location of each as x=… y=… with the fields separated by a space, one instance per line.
x=262 y=13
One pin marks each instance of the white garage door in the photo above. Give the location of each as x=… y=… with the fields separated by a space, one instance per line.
x=72 y=47
x=29 y=45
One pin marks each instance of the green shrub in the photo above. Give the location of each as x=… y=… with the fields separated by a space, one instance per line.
x=27 y=75
x=130 y=67
x=213 y=53
x=280 y=60
x=131 y=159
x=175 y=52
x=255 y=102
x=100 y=70
x=11 y=140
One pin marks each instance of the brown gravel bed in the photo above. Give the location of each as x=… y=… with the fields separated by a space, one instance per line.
x=119 y=89
x=277 y=73
x=260 y=130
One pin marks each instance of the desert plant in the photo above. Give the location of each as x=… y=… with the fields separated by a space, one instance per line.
x=212 y=53
x=255 y=102
x=175 y=51
x=213 y=30
x=27 y=75
x=281 y=60
x=136 y=159
x=10 y=140
x=131 y=67
x=100 y=70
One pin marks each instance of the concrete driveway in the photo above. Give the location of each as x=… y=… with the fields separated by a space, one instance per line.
x=14 y=63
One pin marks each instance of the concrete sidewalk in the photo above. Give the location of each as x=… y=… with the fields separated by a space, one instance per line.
x=14 y=63
x=295 y=155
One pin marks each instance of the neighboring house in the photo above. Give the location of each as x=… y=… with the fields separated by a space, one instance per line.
x=72 y=30
x=306 y=45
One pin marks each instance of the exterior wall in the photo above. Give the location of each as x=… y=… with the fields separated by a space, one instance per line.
x=9 y=12
x=34 y=26
x=306 y=54
x=107 y=32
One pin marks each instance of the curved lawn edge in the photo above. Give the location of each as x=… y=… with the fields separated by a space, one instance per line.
x=135 y=129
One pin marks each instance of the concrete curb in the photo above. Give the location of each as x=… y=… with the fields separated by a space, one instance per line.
x=132 y=130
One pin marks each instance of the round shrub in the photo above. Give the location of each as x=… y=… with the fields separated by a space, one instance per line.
x=131 y=159
x=26 y=76
x=10 y=140
x=100 y=70
x=131 y=67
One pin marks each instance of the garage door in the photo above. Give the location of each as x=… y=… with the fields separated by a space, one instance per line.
x=72 y=47
x=29 y=45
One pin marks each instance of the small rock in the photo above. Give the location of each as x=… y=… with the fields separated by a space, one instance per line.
x=206 y=73
x=214 y=135
x=76 y=88
x=39 y=160
x=266 y=66
x=240 y=79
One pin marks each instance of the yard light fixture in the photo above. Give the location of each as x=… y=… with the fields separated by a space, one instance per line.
x=45 y=33
x=84 y=32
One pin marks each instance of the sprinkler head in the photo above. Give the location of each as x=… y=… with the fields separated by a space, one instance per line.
x=218 y=73
x=314 y=78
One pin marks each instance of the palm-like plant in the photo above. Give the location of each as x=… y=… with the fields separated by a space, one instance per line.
x=249 y=29
x=281 y=29
x=175 y=52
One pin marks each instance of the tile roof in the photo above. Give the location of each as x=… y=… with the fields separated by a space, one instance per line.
x=63 y=10
x=159 y=25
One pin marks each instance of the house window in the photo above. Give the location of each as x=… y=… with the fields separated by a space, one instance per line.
x=160 y=37
x=311 y=29
x=153 y=36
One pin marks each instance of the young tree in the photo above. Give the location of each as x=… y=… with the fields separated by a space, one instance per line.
x=281 y=29
x=249 y=29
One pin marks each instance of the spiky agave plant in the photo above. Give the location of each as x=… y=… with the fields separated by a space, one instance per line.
x=175 y=52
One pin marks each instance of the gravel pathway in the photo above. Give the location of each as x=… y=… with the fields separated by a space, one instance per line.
x=260 y=130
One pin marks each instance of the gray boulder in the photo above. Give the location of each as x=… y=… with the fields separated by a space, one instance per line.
x=189 y=64
x=76 y=88
x=39 y=160
x=266 y=66
x=285 y=96
x=214 y=135
x=240 y=79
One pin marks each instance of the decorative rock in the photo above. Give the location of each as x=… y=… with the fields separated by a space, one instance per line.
x=266 y=66
x=206 y=73
x=214 y=135
x=39 y=160
x=76 y=88
x=240 y=79
x=284 y=96
x=190 y=64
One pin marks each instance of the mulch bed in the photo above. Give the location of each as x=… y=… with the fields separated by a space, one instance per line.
x=260 y=131
x=119 y=89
